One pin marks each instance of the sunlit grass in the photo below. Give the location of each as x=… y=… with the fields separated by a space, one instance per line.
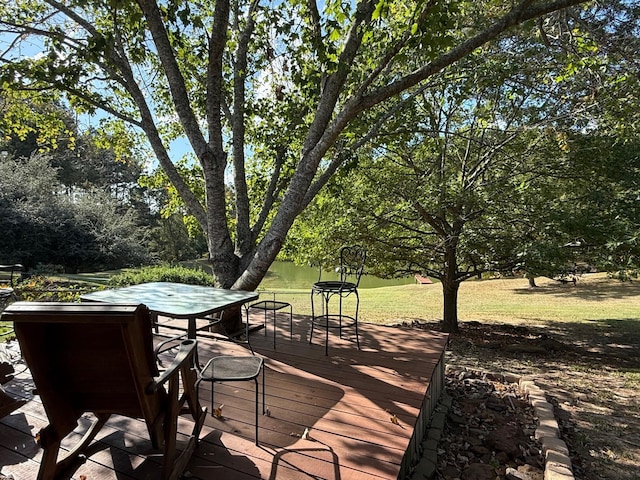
x=631 y=379
x=5 y=330
x=595 y=298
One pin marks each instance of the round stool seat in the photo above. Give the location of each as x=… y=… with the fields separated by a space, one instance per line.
x=334 y=286
x=227 y=368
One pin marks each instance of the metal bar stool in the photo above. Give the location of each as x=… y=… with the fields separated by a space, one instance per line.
x=274 y=306
x=351 y=268
x=228 y=368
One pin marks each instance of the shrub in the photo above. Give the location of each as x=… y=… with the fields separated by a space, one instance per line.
x=42 y=289
x=43 y=221
x=160 y=273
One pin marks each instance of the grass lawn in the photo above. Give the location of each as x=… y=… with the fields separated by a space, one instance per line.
x=595 y=298
x=595 y=302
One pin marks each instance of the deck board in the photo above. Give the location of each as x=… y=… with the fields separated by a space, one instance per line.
x=360 y=408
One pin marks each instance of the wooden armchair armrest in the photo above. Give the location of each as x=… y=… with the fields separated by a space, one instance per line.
x=166 y=345
x=185 y=354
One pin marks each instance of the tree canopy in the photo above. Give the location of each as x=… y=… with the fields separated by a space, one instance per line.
x=509 y=161
x=281 y=93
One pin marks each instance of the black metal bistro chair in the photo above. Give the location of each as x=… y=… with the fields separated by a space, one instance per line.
x=273 y=306
x=7 y=294
x=352 y=259
x=235 y=368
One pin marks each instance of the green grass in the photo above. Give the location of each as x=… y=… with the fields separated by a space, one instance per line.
x=5 y=331
x=632 y=379
x=595 y=298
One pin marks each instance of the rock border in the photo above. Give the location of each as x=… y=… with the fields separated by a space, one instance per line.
x=557 y=464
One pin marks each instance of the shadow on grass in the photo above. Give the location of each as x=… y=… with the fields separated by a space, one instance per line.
x=604 y=343
x=595 y=289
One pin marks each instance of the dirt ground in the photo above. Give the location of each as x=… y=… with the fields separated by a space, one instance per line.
x=593 y=381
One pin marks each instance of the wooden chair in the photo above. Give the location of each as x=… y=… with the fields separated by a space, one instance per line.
x=99 y=358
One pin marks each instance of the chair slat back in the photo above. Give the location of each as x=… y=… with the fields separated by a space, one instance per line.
x=88 y=358
x=352 y=259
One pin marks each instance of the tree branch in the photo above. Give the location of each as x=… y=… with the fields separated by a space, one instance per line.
x=515 y=16
x=244 y=237
x=177 y=86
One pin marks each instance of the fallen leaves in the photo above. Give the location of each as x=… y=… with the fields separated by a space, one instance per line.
x=305 y=435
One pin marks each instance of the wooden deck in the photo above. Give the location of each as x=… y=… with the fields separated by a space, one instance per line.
x=364 y=412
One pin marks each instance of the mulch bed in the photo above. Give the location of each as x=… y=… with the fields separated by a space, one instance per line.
x=583 y=375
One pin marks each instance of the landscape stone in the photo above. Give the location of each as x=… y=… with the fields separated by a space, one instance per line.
x=479 y=471
x=426 y=469
x=524 y=472
x=434 y=433
x=555 y=444
x=547 y=431
x=430 y=444
x=557 y=472
x=439 y=420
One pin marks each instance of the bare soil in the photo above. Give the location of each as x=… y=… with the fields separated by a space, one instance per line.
x=593 y=380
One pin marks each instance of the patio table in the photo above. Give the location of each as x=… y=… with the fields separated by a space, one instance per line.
x=176 y=300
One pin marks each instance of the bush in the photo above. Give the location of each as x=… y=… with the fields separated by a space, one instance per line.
x=160 y=273
x=42 y=289
x=43 y=221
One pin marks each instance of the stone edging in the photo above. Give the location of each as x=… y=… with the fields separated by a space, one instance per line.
x=557 y=464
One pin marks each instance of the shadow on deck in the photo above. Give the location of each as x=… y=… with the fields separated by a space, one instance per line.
x=353 y=414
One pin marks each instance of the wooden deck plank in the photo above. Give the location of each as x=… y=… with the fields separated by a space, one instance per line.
x=284 y=418
x=299 y=406
x=122 y=445
x=346 y=400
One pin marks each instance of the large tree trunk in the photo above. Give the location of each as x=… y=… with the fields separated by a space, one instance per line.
x=450 y=310
x=450 y=286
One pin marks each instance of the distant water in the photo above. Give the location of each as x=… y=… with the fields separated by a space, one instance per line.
x=287 y=275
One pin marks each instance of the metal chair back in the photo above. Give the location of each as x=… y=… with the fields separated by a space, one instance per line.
x=352 y=260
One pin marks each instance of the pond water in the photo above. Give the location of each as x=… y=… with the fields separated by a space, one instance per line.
x=287 y=275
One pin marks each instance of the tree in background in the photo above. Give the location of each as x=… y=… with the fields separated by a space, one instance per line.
x=499 y=165
x=84 y=159
x=605 y=190
x=171 y=241
x=443 y=198
x=42 y=224
x=76 y=207
x=281 y=92
x=89 y=172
